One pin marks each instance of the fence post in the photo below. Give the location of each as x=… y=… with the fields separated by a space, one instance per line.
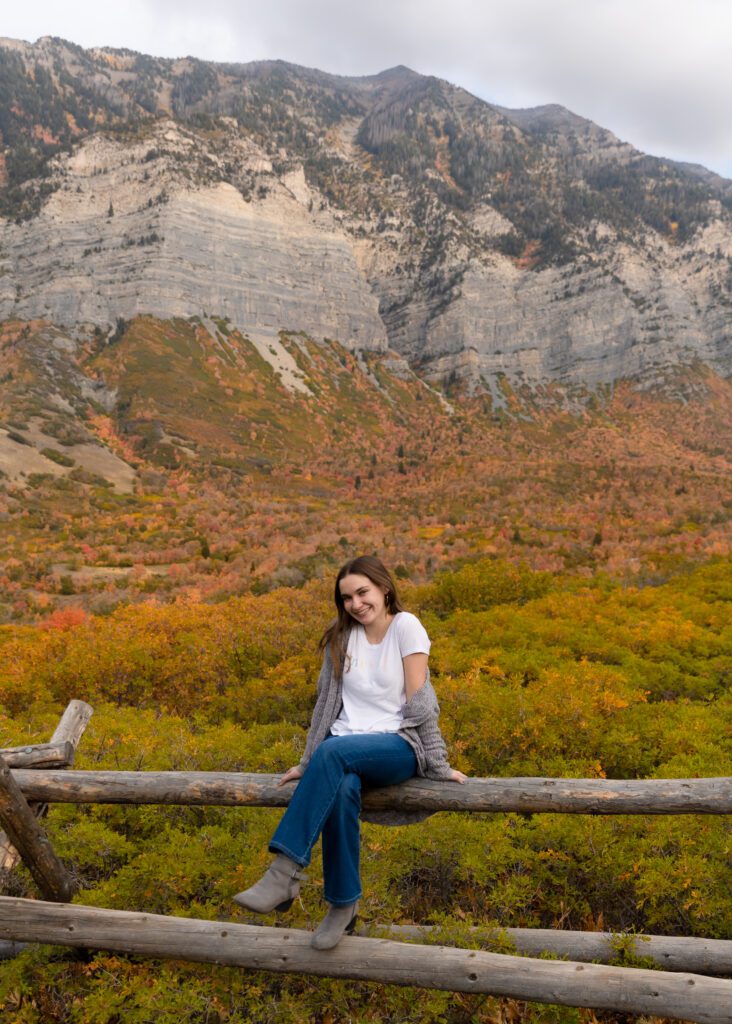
x=31 y=841
x=69 y=730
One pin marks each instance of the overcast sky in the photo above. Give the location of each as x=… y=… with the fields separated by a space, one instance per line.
x=658 y=73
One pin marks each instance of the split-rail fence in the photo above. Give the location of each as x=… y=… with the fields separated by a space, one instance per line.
x=695 y=982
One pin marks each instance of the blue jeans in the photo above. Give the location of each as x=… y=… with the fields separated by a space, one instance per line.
x=328 y=800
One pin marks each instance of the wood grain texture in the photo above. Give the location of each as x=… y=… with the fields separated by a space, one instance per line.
x=31 y=842
x=68 y=732
x=72 y=724
x=672 y=953
x=571 y=796
x=629 y=990
x=57 y=755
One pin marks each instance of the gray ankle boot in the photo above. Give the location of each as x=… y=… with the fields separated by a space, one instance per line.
x=337 y=921
x=276 y=889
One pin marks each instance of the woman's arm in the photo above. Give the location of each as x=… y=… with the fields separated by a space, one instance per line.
x=415 y=673
x=326 y=710
x=435 y=749
x=415 y=676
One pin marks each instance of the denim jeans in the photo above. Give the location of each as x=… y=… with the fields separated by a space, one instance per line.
x=328 y=800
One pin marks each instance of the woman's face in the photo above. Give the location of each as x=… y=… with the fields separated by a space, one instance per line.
x=363 y=600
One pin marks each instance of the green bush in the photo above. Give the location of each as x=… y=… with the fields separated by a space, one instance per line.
x=58 y=457
x=535 y=677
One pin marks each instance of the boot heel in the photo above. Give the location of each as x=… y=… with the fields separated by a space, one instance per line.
x=334 y=925
x=275 y=890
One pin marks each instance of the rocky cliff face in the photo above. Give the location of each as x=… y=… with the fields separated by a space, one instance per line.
x=394 y=211
x=633 y=314
x=126 y=233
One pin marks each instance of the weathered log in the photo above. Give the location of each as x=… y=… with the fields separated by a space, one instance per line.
x=672 y=953
x=629 y=990
x=578 y=796
x=48 y=755
x=67 y=733
x=31 y=841
x=72 y=724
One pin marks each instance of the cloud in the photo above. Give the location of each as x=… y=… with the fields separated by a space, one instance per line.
x=656 y=73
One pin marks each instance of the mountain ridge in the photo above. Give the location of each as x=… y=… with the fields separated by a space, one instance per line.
x=474 y=241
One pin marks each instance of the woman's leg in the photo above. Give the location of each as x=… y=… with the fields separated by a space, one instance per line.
x=342 y=844
x=327 y=800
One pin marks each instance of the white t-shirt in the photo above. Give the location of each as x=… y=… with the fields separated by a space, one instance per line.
x=373 y=676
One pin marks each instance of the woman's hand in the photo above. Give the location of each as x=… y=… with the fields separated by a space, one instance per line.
x=290 y=775
x=456 y=776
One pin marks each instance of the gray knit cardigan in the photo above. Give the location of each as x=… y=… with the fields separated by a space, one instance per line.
x=419 y=727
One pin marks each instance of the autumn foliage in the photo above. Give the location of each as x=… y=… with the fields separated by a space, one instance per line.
x=237 y=485
x=569 y=555
x=537 y=674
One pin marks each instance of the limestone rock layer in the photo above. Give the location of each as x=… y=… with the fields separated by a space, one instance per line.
x=391 y=212
x=124 y=237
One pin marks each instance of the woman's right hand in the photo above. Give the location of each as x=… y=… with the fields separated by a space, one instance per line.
x=291 y=774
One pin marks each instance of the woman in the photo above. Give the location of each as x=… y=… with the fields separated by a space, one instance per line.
x=375 y=722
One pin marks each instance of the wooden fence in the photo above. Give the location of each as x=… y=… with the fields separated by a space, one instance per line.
x=526 y=795
x=630 y=990
x=32 y=777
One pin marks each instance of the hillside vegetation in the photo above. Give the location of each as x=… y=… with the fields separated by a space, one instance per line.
x=538 y=673
x=122 y=486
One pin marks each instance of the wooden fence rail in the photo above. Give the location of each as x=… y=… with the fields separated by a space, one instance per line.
x=46 y=755
x=67 y=735
x=573 y=796
x=28 y=784
x=690 y=997
x=672 y=953
x=23 y=835
x=29 y=839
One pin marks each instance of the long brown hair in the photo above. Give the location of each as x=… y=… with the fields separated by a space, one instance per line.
x=336 y=635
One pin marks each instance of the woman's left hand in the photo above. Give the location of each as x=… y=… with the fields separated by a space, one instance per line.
x=456 y=776
x=291 y=775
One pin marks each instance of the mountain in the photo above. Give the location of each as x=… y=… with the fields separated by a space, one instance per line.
x=392 y=212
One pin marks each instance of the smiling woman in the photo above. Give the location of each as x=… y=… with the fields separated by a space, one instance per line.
x=374 y=724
